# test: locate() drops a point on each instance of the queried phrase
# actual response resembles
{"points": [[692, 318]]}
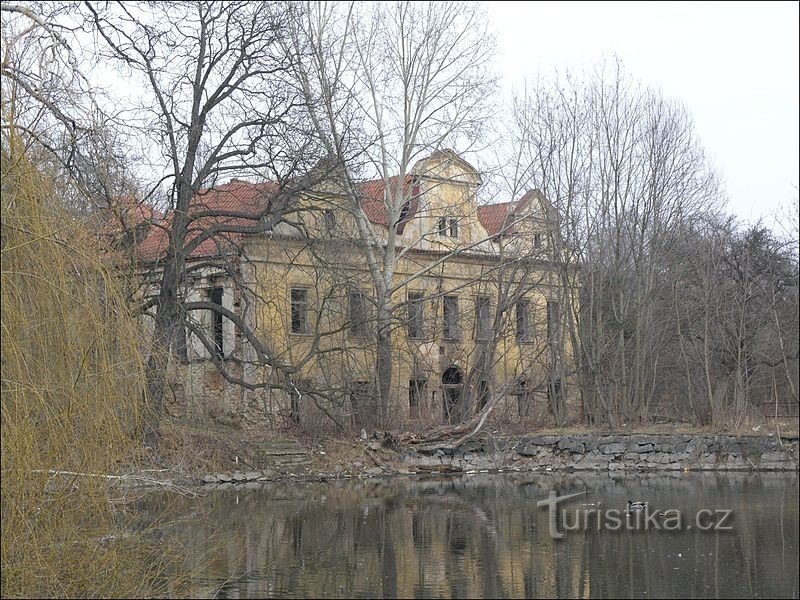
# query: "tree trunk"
{"points": [[167, 321], [383, 365]]}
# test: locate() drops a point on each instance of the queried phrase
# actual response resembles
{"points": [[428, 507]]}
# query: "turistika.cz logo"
{"points": [[636, 516]]}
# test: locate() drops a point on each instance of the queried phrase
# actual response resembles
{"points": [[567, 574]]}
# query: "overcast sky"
{"points": [[734, 65]]}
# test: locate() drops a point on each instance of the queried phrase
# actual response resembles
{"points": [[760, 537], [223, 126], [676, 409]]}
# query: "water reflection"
{"points": [[483, 536]]}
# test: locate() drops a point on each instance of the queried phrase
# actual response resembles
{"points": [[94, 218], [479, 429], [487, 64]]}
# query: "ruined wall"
{"points": [[594, 452]]}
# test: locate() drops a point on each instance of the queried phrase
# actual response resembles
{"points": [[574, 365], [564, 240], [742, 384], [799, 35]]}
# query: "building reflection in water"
{"points": [[483, 536]]}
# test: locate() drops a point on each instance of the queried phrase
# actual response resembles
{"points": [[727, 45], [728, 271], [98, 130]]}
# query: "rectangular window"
{"points": [[299, 298], [358, 313], [416, 392], [537, 240], [523, 321], [454, 228], [483, 318], [215, 297], [442, 226], [450, 317], [554, 323], [416, 315], [330, 220]]}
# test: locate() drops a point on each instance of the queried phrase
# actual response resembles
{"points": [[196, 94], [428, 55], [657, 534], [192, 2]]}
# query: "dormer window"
{"points": [[447, 227], [454, 228]]}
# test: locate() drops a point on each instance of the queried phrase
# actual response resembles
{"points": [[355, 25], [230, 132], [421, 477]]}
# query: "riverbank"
{"points": [[215, 458]]}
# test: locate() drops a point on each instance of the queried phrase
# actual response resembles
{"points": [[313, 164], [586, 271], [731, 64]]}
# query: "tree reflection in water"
{"points": [[483, 536]]}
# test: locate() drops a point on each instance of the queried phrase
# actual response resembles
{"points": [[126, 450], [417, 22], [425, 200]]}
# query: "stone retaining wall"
{"points": [[616, 452]]}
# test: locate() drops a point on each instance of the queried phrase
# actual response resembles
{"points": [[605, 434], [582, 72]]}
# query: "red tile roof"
{"points": [[238, 204], [493, 216], [242, 203], [372, 199]]}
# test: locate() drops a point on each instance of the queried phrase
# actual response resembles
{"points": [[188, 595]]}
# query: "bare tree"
{"points": [[387, 84], [624, 172], [217, 98]]}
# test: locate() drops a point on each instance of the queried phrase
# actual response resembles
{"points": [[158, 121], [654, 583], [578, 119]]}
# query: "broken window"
{"points": [[299, 297], [523, 321], [416, 315], [554, 324], [450, 317], [483, 318], [358, 313], [330, 220], [215, 297]]}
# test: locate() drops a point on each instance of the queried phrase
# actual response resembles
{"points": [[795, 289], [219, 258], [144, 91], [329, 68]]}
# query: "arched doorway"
{"points": [[453, 385]]}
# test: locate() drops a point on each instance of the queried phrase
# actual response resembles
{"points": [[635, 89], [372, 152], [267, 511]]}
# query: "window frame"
{"points": [[216, 295], [357, 329], [306, 328], [453, 229], [479, 334], [554, 323], [455, 333], [526, 334], [415, 315], [330, 220]]}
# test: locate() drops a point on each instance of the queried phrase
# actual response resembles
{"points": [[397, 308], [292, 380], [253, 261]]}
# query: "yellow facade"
{"points": [[477, 326]]}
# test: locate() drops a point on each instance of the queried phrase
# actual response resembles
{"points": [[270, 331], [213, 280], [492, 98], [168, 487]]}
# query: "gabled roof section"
{"points": [[501, 218], [446, 154], [493, 217]]}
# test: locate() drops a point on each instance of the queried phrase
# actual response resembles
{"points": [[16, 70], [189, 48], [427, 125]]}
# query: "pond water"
{"points": [[484, 536]]}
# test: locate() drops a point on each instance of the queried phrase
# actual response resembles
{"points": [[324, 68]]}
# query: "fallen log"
{"points": [[467, 430]]}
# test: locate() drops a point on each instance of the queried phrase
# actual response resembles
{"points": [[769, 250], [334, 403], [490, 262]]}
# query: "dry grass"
{"points": [[71, 387]]}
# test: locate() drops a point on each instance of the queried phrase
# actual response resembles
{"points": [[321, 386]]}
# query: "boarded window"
{"points": [[215, 296], [523, 321], [299, 310], [450, 317], [416, 315], [358, 313], [483, 318]]}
